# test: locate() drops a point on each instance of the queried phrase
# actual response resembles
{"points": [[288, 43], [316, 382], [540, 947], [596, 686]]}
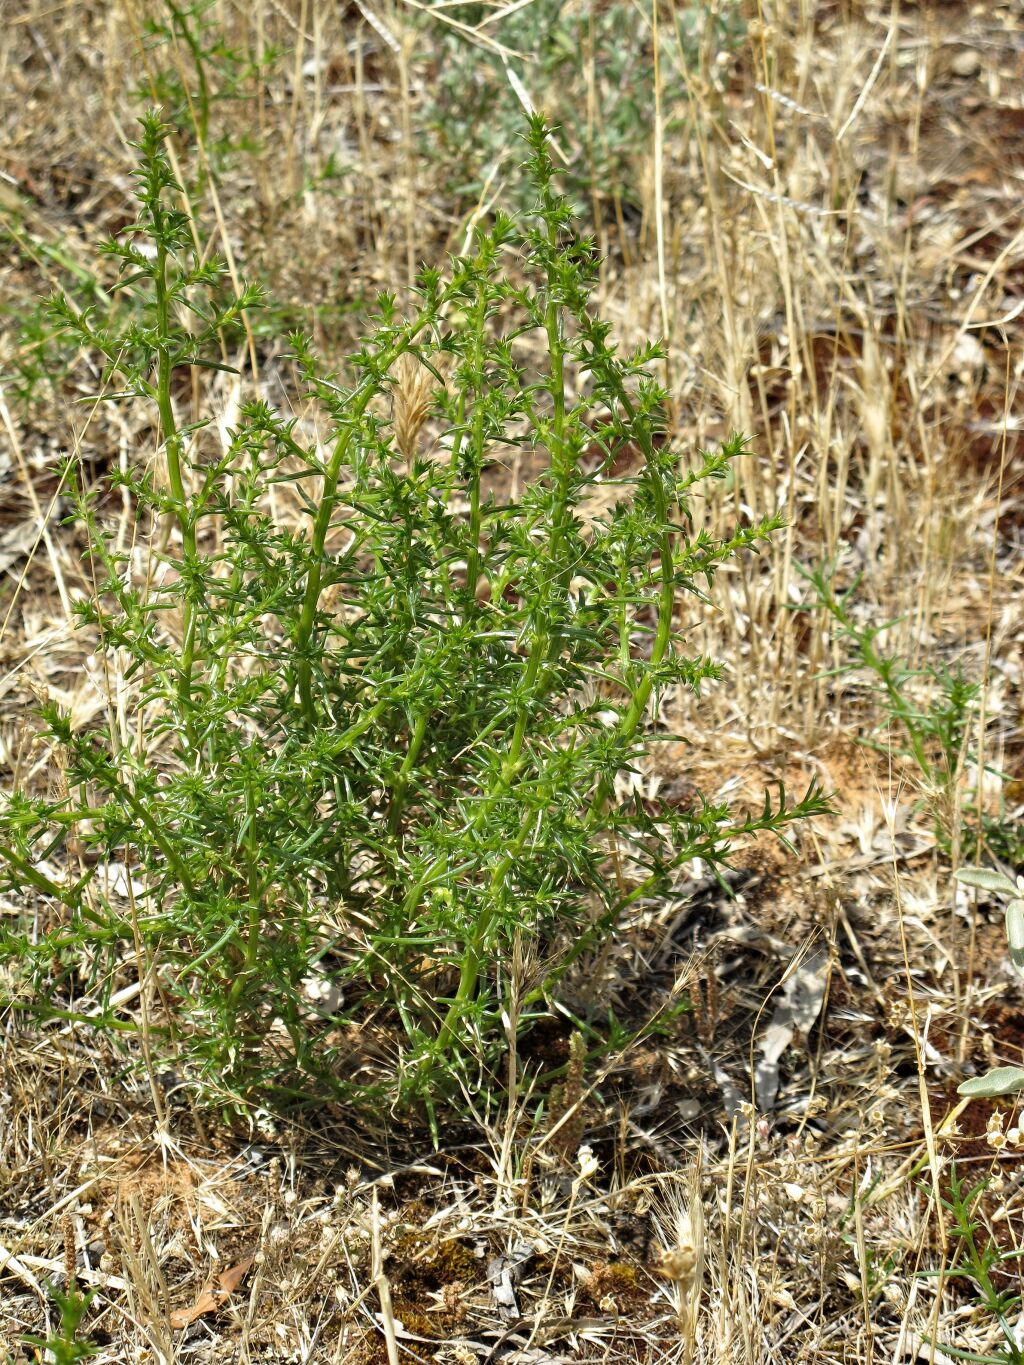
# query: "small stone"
{"points": [[967, 62]]}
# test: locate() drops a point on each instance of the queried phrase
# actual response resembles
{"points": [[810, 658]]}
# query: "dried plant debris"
{"points": [[213, 1296]]}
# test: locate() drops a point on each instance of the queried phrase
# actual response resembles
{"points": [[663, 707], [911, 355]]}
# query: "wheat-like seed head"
{"points": [[682, 1260], [413, 391]]}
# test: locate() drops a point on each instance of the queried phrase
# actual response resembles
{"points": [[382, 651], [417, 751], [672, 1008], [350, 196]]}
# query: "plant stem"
{"points": [[201, 121], [172, 447], [402, 783], [34, 877], [360, 400], [473, 564], [543, 642], [254, 918]]}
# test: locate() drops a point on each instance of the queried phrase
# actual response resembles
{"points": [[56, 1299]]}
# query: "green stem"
{"points": [[473, 564], [35, 878], [603, 925], [662, 642], [255, 917], [172, 446], [507, 772], [979, 1271], [360, 400], [346, 740], [882, 667], [402, 783], [112, 780], [202, 122], [164, 845], [107, 1021], [561, 463], [469, 970], [666, 598]]}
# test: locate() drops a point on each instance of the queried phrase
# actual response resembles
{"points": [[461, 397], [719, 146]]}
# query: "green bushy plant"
{"points": [[371, 753]]}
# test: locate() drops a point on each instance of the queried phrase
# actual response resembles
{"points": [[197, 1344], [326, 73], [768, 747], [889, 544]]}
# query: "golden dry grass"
{"points": [[832, 244]]}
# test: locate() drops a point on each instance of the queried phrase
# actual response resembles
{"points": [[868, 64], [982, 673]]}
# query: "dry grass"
{"points": [[834, 245]]}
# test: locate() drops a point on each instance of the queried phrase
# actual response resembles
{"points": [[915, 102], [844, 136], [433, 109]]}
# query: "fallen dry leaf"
{"points": [[214, 1295]]}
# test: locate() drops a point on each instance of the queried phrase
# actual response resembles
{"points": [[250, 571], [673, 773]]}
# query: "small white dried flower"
{"points": [[994, 1135], [588, 1162]]}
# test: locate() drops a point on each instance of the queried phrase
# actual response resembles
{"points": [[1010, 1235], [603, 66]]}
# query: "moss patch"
{"points": [[427, 1278], [616, 1280]]}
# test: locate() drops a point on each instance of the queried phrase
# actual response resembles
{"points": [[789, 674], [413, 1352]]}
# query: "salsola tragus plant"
{"points": [[371, 705]]}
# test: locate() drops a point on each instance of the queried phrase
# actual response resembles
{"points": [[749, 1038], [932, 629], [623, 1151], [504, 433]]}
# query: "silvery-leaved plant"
{"points": [[1003, 1080]]}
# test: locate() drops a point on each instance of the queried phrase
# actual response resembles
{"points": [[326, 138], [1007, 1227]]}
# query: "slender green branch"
{"points": [[359, 402], [65, 895], [402, 785], [173, 451]]}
